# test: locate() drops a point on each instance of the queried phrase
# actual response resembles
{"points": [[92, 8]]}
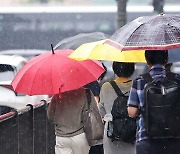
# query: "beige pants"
{"points": [[72, 145]]}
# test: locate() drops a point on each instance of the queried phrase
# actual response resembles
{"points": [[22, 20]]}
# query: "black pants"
{"points": [[158, 146], [97, 149]]}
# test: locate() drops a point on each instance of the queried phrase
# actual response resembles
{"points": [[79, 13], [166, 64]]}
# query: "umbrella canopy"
{"points": [[77, 40], [52, 73], [99, 50], [158, 32]]}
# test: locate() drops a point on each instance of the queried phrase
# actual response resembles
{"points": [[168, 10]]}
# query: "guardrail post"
{"points": [[25, 127], [40, 128], [51, 138]]}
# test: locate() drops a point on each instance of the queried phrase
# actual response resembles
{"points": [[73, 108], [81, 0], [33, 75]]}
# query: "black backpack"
{"points": [[122, 127], [162, 107]]}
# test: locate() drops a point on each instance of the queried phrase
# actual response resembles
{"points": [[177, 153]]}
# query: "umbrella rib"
{"points": [[134, 31], [90, 54], [76, 69], [28, 67], [59, 73], [53, 87], [88, 72], [44, 60]]}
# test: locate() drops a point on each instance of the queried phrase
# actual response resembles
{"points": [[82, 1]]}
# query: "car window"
{"points": [[6, 72]]}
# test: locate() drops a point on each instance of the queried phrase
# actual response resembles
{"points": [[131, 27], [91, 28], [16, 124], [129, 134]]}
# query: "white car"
{"points": [[26, 53], [9, 66]]}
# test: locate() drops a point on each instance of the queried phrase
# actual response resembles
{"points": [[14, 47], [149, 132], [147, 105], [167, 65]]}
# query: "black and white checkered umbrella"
{"points": [[158, 32]]}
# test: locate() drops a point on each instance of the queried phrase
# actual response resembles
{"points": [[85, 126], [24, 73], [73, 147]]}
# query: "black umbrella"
{"points": [[149, 32], [75, 41]]}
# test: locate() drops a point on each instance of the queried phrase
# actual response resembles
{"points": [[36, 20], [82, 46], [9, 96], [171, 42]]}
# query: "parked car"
{"points": [[9, 67]]}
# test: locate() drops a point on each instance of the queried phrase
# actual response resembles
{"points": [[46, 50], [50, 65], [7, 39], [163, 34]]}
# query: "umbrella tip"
{"points": [[52, 49], [162, 14]]}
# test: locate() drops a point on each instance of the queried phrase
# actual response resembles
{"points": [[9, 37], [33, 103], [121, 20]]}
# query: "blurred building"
{"points": [[9, 2], [80, 2]]}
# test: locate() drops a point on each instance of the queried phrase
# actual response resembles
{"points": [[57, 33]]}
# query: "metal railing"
{"points": [[27, 131]]}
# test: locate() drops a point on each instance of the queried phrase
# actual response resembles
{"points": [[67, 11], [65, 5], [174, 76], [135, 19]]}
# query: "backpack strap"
{"points": [[88, 95], [147, 77], [116, 88]]}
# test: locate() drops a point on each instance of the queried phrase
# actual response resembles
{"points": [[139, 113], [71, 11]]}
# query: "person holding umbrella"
{"points": [[146, 143], [65, 111], [53, 73]]}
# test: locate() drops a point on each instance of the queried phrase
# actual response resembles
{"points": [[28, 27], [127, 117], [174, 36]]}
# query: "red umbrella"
{"points": [[51, 73]]}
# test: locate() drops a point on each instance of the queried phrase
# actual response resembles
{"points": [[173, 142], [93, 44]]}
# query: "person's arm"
{"points": [[133, 112], [97, 99], [133, 101], [51, 109], [95, 89]]}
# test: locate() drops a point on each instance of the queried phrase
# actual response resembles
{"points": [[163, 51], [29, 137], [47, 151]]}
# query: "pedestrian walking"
{"points": [[65, 111], [95, 88], [148, 140], [123, 72]]}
